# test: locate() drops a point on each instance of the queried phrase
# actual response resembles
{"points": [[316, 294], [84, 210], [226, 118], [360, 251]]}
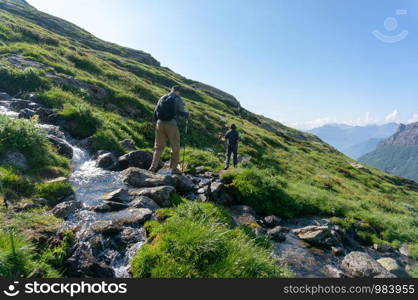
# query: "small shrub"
{"points": [[27, 80], [54, 192], [196, 242]]}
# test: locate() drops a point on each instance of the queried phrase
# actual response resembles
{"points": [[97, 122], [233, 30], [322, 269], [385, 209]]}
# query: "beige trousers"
{"points": [[166, 132]]}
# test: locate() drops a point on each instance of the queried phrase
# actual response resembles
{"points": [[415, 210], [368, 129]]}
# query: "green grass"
{"points": [[27, 80], [197, 242], [54, 192]]}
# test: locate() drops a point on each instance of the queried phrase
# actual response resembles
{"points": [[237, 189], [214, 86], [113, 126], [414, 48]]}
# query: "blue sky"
{"points": [[302, 62]]}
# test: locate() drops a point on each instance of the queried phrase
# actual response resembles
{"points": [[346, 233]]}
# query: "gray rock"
{"points": [[106, 228], [362, 265], [43, 114], [183, 184], [219, 194], [5, 96], [26, 113], [135, 217], [137, 159], [109, 206], [65, 209], [319, 235], [393, 266], [15, 159], [404, 250], [161, 195], [107, 161], [278, 234], [119, 195], [141, 178], [128, 145], [200, 169], [144, 202], [333, 272], [19, 104], [272, 221], [62, 146], [83, 264]]}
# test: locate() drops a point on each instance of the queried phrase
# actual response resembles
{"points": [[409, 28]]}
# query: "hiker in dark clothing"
{"points": [[232, 137]]}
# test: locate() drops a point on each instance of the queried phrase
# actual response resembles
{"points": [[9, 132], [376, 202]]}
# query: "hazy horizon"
{"points": [[316, 62]]}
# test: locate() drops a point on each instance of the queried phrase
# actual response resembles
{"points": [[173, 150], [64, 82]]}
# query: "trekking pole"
{"points": [[184, 145]]}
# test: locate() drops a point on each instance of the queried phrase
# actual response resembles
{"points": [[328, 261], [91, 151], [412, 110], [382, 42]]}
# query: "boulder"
{"points": [[15, 159], [278, 233], [144, 202], [141, 178], [272, 221], [161, 194], [19, 104], [135, 217], [82, 264], [26, 113], [319, 235], [65, 209], [62, 146], [137, 159], [43, 114], [128, 145], [183, 184], [130, 235], [109, 206], [360, 264], [106, 228], [107, 161], [219, 194], [242, 215], [119, 195], [393, 267], [404, 250]]}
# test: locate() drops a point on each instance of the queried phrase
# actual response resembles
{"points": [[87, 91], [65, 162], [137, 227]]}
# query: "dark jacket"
{"points": [[232, 136]]}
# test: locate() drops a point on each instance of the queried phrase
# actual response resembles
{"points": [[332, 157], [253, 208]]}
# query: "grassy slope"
{"points": [[309, 176]]}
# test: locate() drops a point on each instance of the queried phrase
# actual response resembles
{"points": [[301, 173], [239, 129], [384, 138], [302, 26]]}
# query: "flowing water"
{"points": [[90, 183]]}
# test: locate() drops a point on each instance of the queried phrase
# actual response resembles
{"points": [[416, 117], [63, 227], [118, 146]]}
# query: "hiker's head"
{"points": [[175, 90], [233, 127]]}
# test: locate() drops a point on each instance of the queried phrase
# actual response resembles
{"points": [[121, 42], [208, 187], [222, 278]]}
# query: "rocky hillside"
{"points": [[75, 136], [397, 154]]}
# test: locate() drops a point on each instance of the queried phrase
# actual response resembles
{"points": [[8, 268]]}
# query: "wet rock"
{"points": [[26, 113], [65, 209], [362, 265], [119, 195], [135, 217], [131, 235], [109, 206], [319, 235], [219, 194], [272, 221], [106, 228], [15, 159], [83, 264], [278, 233], [183, 184], [202, 198], [136, 159], [200, 170], [128, 145], [243, 215], [161, 195], [393, 267], [337, 251], [5, 96], [19, 104], [43, 114], [144, 202], [86, 143], [141, 178], [62, 146], [107, 161]]}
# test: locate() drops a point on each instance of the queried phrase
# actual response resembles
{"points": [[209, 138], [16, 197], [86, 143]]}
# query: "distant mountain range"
{"points": [[355, 141], [397, 154]]}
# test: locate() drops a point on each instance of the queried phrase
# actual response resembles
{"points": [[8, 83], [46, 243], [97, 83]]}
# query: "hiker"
{"points": [[168, 107], [232, 137]]}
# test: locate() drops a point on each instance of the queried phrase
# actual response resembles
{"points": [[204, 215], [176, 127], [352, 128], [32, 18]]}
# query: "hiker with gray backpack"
{"points": [[168, 107]]}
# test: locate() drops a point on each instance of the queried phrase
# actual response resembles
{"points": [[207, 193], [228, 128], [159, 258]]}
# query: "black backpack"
{"points": [[166, 109]]}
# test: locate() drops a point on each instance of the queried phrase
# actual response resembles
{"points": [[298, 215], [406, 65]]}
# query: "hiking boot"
{"points": [[226, 168]]}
